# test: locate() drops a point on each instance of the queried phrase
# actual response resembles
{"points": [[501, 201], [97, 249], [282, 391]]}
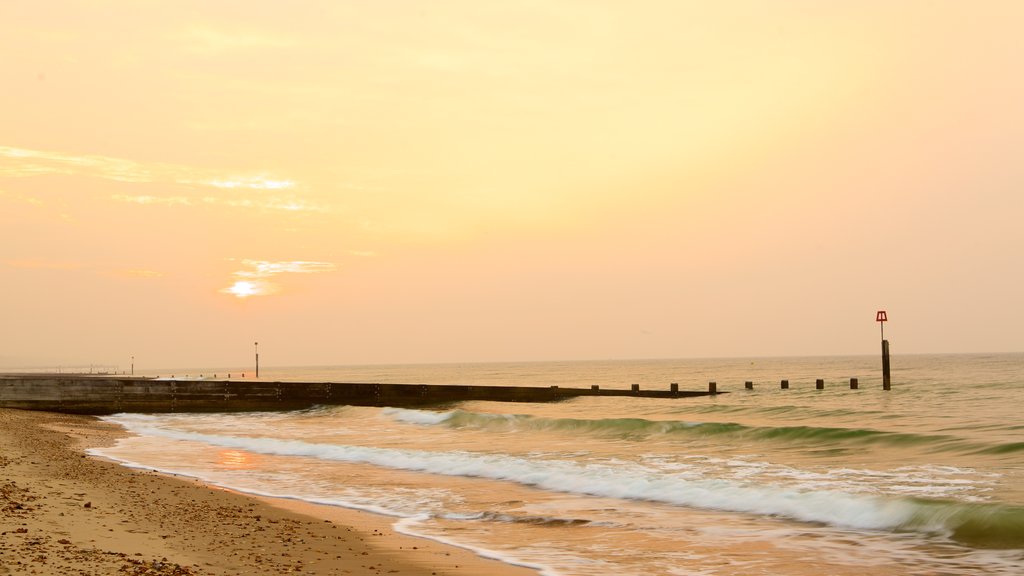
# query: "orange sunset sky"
{"points": [[399, 181]]}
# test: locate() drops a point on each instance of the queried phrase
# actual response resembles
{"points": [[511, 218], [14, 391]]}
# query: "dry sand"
{"points": [[62, 512]]}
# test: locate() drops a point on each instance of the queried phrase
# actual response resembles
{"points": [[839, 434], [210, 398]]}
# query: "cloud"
{"points": [[265, 269], [25, 163], [70, 266], [253, 281], [254, 182], [161, 200], [287, 204], [22, 162]]}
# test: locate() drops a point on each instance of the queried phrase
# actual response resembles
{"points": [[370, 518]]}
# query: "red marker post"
{"points": [[881, 317]]}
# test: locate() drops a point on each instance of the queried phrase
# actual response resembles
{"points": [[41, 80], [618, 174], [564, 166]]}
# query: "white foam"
{"points": [[422, 417], [623, 480], [406, 526], [403, 525]]}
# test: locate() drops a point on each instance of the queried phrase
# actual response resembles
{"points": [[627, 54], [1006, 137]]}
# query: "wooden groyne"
{"points": [[81, 394]]}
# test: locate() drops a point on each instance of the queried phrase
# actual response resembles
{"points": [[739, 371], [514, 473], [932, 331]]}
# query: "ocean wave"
{"points": [[640, 428], [427, 417], [979, 525], [1004, 448]]}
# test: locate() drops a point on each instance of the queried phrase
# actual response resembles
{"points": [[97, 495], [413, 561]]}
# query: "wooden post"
{"points": [[636, 387], [674, 387], [881, 317], [785, 384], [853, 383], [886, 378], [595, 387], [712, 388], [819, 384], [749, 385]]}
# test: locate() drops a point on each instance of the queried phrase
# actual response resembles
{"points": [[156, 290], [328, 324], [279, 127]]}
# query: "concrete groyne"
{"points": [[80, 394]]}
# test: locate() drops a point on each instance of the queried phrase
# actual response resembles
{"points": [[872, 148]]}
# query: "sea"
{"points": [[926, 478]]}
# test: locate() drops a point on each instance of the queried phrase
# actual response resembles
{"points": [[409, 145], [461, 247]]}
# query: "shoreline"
{"points": [[63, 512]]}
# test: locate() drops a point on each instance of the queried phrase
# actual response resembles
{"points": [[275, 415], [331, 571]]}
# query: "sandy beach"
{"points": [[62, 512]]}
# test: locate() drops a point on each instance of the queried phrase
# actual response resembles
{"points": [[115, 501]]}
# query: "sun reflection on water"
{"points": [[236, 460]]}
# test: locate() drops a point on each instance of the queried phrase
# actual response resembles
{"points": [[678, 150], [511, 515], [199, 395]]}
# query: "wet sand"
{"points": [[62, 512]]}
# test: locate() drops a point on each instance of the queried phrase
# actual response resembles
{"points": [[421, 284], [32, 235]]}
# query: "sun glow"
{"points": [[244, 289]]}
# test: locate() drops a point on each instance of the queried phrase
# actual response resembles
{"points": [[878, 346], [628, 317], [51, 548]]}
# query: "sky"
{"points": [[352, 182]]}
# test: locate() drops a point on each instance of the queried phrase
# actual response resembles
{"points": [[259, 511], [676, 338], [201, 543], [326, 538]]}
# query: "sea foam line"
{"points": [[406, 526], [404, 523], [829, 507]]}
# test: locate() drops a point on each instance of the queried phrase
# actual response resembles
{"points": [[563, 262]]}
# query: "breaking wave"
{"points": [[979, 525], [639, 428]]}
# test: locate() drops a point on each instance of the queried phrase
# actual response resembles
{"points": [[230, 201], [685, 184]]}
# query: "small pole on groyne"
{"points": [[886, 377], [257, 346], [635, 387], [133, 365], [785, 384], [853, 383], [819, 384], [673, 387], [749, 385], [712, 388], [881, 317]]}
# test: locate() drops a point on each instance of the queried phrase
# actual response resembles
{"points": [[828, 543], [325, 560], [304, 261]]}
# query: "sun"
{"points": [[243, 289]]}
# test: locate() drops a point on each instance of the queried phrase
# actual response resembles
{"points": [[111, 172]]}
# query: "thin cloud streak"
{"points": [[254, 281], [265, 269], [69, 266], [256, 183], [282, 204], [25, 163], [159, 200], [39, 162]]}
